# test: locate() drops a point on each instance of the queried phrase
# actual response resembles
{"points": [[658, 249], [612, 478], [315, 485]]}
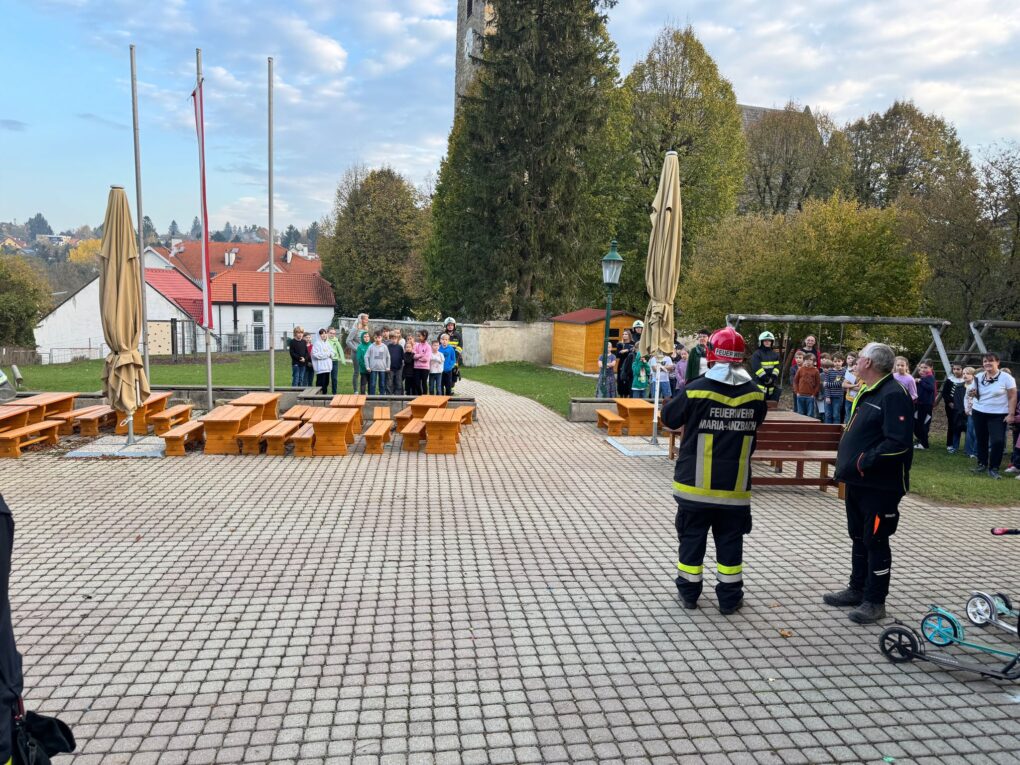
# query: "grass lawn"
{"points": [[947, 478], [549, 387], [85, 376]]}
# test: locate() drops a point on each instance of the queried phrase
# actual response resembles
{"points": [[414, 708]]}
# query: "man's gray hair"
{"points": [[882, 357]]}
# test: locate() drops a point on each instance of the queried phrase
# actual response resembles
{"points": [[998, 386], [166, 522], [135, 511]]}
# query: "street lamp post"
{"points": [[612, 265]]}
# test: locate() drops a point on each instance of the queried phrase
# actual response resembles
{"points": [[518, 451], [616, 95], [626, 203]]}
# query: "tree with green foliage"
{"points": [[833, 257], [312, 236], [371, 248], [680, 101], [24, 296], [37, 225], [150, 235], [291, 236], [174, 232], [518, 213], [196, 229], [793, 155], [903, 152], [217, 236]]}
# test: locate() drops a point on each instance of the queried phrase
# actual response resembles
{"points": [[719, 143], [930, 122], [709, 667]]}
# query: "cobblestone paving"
{"points": [[513, 603]]}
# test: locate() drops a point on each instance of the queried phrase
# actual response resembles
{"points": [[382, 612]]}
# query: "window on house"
{"points": [[470, 5], [256, 316]]}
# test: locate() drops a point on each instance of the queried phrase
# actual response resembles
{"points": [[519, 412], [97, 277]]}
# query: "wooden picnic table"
{"points": [[355, 402], [300, 412], [421, 405], [156, 402], [266, 405], [46, 404], [637, 415], [222, 425], [334, 429], [14, 417], [442, 428], [774, 415]]}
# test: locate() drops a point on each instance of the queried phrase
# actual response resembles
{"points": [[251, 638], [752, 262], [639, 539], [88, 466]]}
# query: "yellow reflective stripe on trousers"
{"points": [[743, 464], [728, 400], [690, 573], [720, 568]]}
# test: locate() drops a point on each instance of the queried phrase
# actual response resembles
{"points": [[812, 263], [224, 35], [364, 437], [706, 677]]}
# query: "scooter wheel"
{"points": [[980, 609], [939, 630], [898, 644], [1005, 600]]}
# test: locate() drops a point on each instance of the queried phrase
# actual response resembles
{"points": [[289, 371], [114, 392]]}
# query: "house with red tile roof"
{"points": [[186, 257]]}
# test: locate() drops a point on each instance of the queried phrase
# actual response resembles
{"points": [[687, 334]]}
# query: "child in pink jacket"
{"points": [[422, 357]]}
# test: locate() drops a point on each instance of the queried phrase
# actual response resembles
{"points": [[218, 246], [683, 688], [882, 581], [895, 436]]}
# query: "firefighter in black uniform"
{"points": [[720, 413], [457, 341], [873, 460], [765, 366], [11, 680]]}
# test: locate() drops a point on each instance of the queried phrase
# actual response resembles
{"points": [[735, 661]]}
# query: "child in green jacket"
{"points": [[642, 372], [359, 359]]}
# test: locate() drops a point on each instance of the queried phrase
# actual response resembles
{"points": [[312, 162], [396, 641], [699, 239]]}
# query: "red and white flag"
{"points": [[207, 314]]}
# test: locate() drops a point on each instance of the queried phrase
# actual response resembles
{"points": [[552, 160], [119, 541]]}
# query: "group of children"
{"points": [[389, 365], [632, 374]]}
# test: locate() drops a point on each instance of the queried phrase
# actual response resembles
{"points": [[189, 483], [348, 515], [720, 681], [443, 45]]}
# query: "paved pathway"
{"points": [[513, 603]]}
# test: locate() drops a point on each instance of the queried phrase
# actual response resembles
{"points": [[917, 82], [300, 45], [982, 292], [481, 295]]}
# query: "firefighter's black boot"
{"points": [[867, 613], [727, 610], [844, 598]]}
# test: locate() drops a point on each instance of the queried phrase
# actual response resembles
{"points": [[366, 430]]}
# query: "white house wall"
{"points": [[75, 329], [286, 318]]}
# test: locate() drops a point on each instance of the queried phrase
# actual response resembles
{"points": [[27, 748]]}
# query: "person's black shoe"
{"points": [[979, 468], [690, 605], [867, 613], [994, 474], [844, 598], [727, 610]]}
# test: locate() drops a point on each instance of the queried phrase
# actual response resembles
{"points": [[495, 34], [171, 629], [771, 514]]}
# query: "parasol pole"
{"points": [[272, 246]]}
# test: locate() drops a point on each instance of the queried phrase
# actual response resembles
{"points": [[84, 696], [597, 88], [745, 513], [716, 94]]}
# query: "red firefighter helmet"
{"points": [[726, 346]]}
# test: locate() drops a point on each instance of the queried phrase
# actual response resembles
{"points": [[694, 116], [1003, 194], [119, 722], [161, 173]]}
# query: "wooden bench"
{"points": [[611, 421], [403, 417], [378, 433], [169, 418], [177, 438], [801, 445], [90, 422], [413, 433], [277, 436], [381, 413], [12, 441], [467, 414], [252, 438], [69, 419], [303, 439]]}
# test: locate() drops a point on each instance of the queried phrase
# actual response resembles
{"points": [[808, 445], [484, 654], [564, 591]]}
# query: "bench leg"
{"points": [[823, 471], [174, 447]]}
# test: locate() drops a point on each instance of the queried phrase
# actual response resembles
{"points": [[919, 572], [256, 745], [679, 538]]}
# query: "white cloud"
{"points": [[321, 51]]}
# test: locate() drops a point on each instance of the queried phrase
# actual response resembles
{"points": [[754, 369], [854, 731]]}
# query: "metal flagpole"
{"points": [[205, 236], [272, 246], [141, 218]]}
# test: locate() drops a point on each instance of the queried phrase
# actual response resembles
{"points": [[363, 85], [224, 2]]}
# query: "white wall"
{"points": [[75, 328], [286, 317]]}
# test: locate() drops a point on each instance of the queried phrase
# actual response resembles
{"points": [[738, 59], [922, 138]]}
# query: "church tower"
{"points": [[475, 19]]}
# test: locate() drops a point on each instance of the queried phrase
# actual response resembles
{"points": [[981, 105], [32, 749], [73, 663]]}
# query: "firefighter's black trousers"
{"points": [[728, 526], [871, 518]]}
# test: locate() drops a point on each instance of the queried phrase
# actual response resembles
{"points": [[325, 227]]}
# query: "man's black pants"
{"points": [[922, 423], [871, 518], [728, 526]]}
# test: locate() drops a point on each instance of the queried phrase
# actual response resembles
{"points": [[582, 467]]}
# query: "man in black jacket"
{"points": [[873, 460], [11, 680]]}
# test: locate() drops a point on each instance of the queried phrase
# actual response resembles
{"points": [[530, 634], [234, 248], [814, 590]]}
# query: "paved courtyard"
{"points": [[512, 603]]}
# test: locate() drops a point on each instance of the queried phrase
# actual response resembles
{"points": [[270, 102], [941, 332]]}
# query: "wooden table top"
{"points": [[633, 403], [228, 414], [433, 402], [349, 401], [11, 412], [774, 415], [255, 399], [42, 399], [442, 415], [299, 412], [329, 414]]}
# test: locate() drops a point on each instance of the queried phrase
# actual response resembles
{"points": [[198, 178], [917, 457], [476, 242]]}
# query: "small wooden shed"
{"points": [[577, 336]]}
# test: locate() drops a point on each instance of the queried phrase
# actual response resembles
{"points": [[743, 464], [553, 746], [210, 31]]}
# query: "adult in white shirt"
{"points": [[993, 394]]}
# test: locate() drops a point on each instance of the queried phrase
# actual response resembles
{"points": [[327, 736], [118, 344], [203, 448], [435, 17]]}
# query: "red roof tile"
{"points": [[588, 316], [291, 289], [177, 289], [250, 258]]}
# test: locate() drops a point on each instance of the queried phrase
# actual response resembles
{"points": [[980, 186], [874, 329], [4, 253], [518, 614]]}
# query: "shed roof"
{"points": [[588, 316]]}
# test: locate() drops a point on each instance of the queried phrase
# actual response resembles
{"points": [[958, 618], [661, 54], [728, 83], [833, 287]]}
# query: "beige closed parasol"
{"points": [[120, 306], [662, 270]]}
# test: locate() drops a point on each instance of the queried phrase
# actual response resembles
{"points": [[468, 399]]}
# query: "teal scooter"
{"points": [[899, 643]]}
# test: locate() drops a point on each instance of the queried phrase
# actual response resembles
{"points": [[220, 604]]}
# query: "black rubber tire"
{"points": [[898, 644], [1005, 600]]}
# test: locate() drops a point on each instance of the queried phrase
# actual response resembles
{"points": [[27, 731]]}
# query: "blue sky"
{"points": [[372, 82]]}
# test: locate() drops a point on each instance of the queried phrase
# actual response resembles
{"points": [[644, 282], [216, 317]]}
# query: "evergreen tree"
{"points": [[312, 236], [228, 232], [290, 237], [196, 229], [518, 214], [174, 232], [36, 225], [149, 233]]}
